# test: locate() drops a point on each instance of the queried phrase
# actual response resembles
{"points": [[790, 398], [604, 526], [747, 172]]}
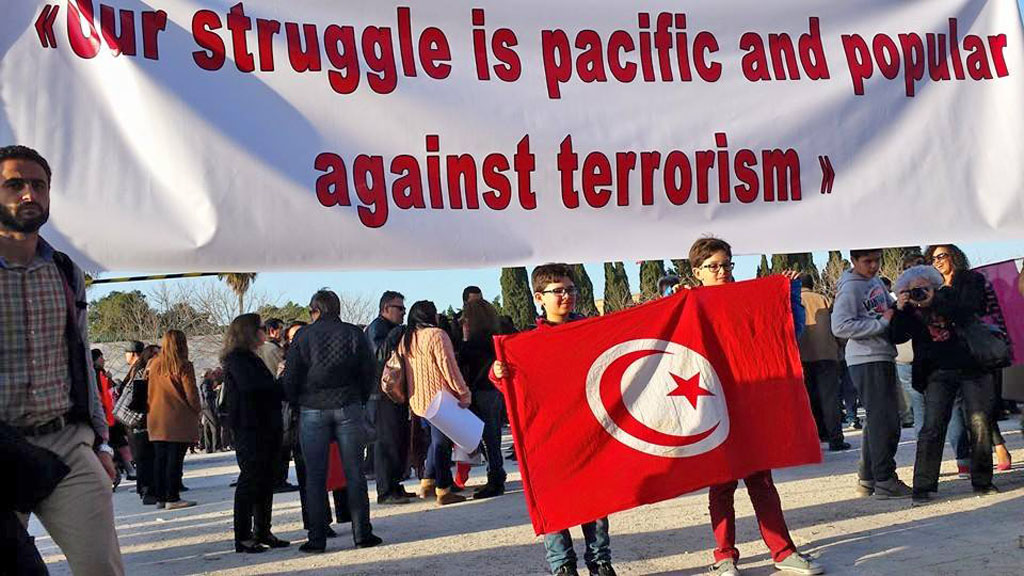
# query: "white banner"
{"points": [[208, 135]]}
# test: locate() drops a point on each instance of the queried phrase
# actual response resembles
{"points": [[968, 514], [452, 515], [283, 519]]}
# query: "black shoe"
{"points": [[330, 533], [602, 569], [392, 499], [272, 541], [838, 446], [921, 497], [566, 570], [989, 490], [489, 491], [311, 548], [402, 492], [249, 547], [285, 488], [857, 424], [369, 542], [233, 483], [148, 500], [183, 488]]}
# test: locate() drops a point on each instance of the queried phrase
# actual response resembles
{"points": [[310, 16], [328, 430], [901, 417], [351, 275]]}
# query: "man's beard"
{"points": [[14, 222]]}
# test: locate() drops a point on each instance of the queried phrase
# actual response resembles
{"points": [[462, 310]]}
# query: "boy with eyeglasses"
{"points": [[554, 289], [711, 259], [861, 315]]}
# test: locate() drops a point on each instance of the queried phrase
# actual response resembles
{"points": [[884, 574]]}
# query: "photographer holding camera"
{"points": [[930, 313]]}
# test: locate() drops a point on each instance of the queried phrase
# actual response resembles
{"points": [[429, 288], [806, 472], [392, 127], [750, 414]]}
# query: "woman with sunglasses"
{"points": [[973, 290]]}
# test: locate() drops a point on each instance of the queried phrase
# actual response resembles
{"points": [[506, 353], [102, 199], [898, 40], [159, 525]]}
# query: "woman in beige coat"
{"points": [[173, 418]]}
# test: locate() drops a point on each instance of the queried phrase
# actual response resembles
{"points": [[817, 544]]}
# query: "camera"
{"points": [[918, 294]]}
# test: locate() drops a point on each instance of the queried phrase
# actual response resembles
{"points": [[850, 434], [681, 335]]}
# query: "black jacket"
{"points": [[953, 305], [377, 333], [329, 365], [476, 356], [253, 395]]}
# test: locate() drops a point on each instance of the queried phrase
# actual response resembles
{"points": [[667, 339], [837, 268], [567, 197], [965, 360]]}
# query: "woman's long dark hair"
{"points": [[423, 314], [959, 259], [243, 335], [481, 319]]}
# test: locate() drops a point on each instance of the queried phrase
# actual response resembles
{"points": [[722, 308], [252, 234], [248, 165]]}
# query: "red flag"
{"points": [[656, 401]]}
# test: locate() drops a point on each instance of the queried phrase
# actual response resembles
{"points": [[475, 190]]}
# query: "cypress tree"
{"points": [[763, 269], [800, 262], [650, 272], [684, 270], [517, 297], [585, 300], [617, 295]]}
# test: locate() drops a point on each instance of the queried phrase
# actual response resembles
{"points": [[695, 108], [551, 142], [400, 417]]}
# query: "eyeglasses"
{"points": [[940, 256], [715, 267], [562, 292]]}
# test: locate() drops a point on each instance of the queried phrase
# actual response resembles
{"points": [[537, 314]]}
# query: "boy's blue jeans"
{"points": [[559, 550]]}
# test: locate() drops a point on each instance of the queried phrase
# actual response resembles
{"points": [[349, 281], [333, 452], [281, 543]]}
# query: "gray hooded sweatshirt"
{"points": [[857, 317]]}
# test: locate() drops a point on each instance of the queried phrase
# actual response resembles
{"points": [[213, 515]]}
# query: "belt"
{"points": [[55, 425]]}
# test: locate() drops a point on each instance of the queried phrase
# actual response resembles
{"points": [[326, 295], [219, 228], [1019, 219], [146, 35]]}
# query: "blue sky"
{"points": [[444, 287]]}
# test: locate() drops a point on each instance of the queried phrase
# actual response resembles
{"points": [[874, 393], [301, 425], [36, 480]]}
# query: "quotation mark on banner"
{"points": [[828, 175], [44, 25]]}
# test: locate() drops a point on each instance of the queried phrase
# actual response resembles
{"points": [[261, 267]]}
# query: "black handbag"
{"points": [[986, 344], [131, 406]]}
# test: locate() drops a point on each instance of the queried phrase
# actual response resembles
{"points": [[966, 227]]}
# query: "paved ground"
{"points": [[959, 535]]}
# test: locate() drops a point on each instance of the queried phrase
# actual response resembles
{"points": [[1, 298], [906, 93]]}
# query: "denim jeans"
{"points": [[879, 391], [317, 428], [978, 395], [956, 434], [438, 466], [488, 405], [559, 551]]}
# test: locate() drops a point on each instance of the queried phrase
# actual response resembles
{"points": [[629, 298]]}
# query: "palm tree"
{"points": [[239, 284]]}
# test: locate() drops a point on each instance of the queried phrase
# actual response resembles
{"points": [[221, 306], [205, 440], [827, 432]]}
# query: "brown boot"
{"points": [[427, 489], [445, 496]]}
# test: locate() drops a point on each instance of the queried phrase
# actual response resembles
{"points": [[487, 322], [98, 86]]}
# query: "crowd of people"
{"points": [[315, 394]]}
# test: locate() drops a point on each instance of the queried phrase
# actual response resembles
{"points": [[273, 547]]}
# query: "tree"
{"points": [[123, 316], [585, 304], [650, 272], [684, 270], [517, 297], [497, 305], [617, 295], [800, 262], [239, 284], [834, 268], [184, 316], [763, 269], [892, 260], [288, 312]]}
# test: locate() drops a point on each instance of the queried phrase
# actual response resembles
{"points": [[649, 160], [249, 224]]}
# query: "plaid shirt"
{"points": [[34, 380]]}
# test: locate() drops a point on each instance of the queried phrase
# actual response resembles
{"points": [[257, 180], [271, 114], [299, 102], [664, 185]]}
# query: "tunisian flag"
{"points": [[656, 401]]}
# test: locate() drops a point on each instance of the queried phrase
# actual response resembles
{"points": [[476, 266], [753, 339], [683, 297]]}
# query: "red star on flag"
{"points": [[689, 388]]}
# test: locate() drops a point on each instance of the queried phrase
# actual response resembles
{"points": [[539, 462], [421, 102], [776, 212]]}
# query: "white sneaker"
{"points": [[798, 563], [725, 567]]}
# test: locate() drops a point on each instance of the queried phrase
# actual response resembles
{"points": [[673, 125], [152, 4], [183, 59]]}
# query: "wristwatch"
{"points": [[105, 448]]}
